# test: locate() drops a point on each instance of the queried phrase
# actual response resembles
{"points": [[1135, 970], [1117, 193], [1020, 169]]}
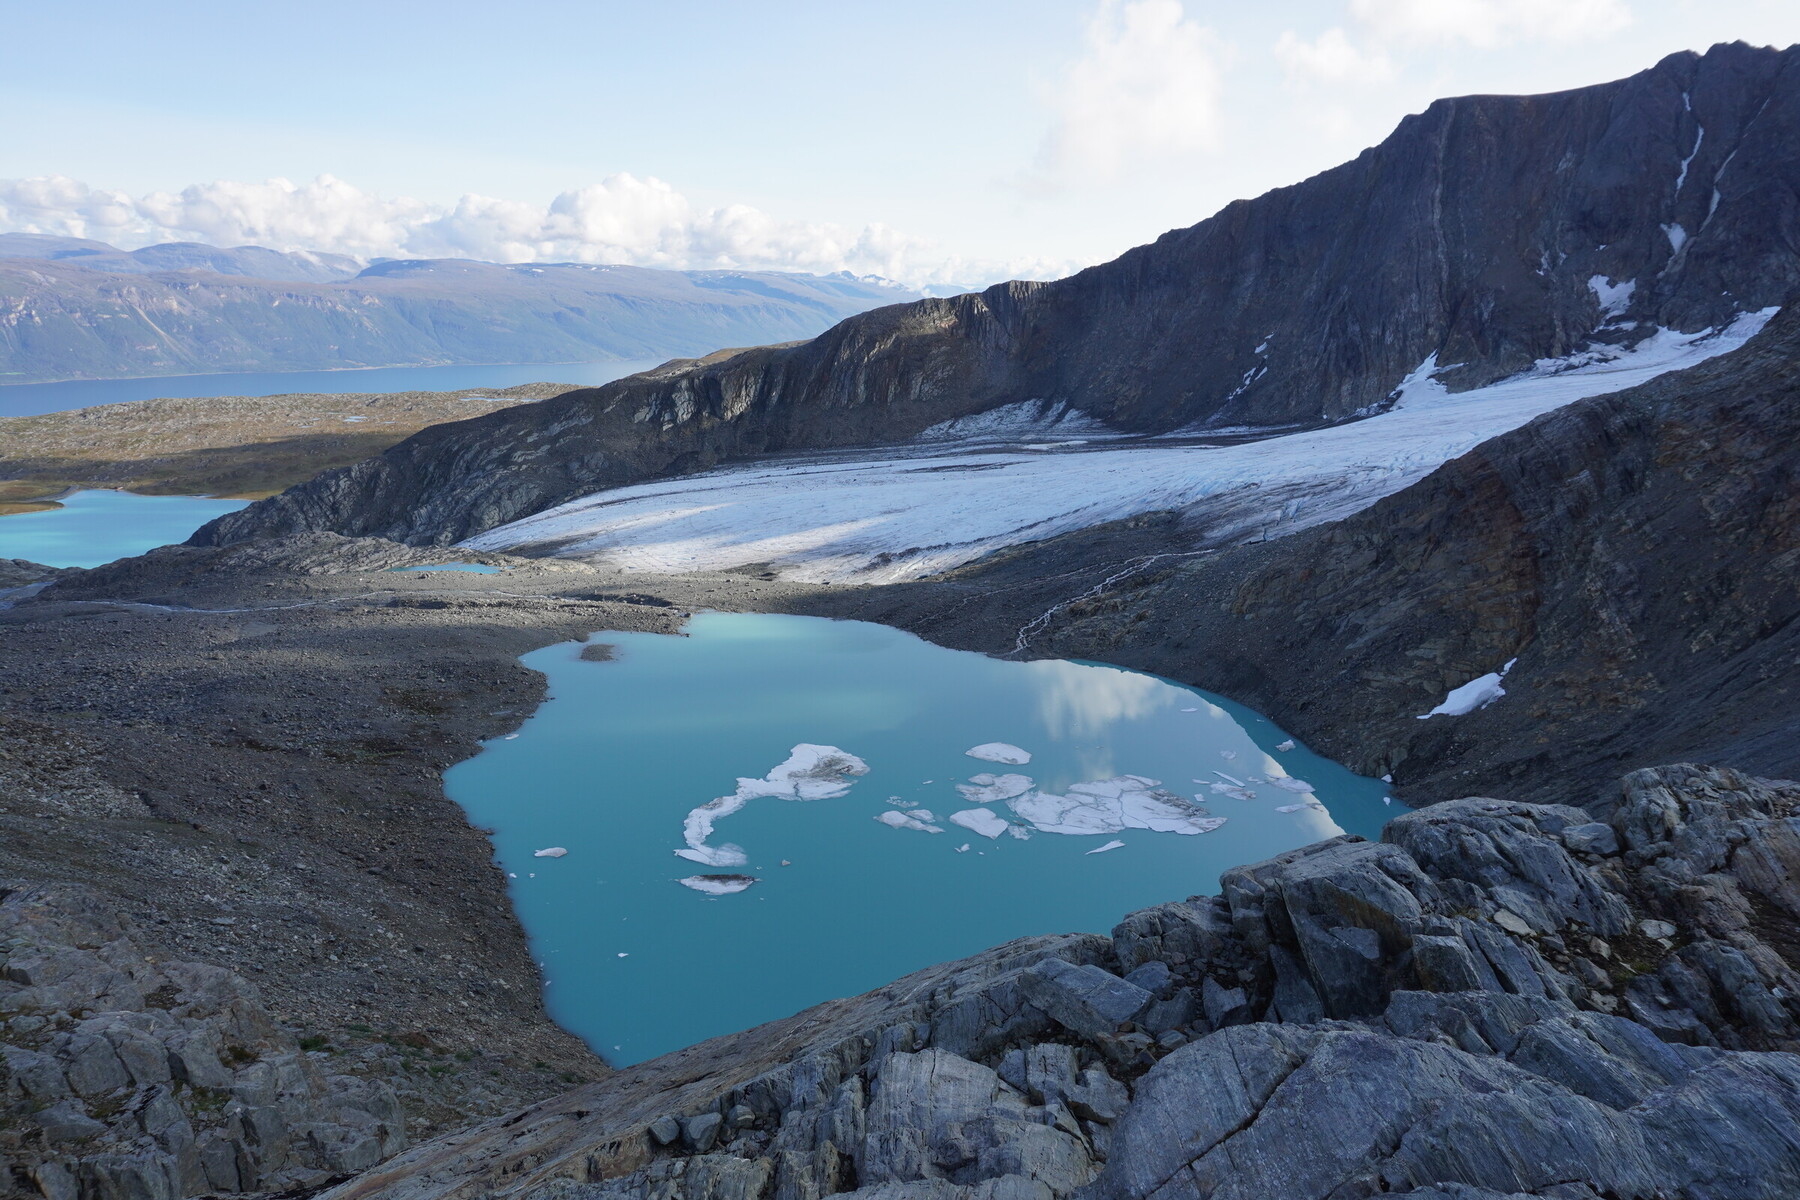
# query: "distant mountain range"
{"points": [[71, 308]]}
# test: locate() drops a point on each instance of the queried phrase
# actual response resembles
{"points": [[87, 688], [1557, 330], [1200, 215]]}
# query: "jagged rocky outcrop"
{"points": [[1498, 1000], [1489, 230], [123, 1075]]}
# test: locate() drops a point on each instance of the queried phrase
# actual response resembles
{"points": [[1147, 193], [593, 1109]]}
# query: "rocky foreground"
{"points": [[1498, 1000]]}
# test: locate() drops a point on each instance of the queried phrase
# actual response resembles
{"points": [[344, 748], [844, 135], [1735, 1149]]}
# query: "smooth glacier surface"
{"points": [[98, 526], [894, 513], [877, 845]]}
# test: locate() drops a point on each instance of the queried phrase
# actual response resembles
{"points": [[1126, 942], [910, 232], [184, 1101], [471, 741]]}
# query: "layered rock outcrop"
{"points": [[1498, 1000], [1489, 231], [125, 1075]]}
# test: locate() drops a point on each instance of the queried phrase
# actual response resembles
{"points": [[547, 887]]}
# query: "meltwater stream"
{"points": [[611, 766]]}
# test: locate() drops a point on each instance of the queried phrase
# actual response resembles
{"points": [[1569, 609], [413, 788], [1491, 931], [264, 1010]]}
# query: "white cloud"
{"points": [[1147, 87], [1491, 22], [622, 219], [1331, 58]]}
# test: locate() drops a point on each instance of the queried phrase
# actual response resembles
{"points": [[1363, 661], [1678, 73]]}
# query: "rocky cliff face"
{"points": [[1498, 1000], [1489, 231]]}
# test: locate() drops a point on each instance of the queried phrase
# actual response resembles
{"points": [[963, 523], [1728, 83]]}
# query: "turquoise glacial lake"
{"points": [[611, 765], [98, 526]]}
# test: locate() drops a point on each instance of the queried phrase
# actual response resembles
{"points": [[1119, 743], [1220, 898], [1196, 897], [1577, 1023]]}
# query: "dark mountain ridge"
{"points": [[1489, 231]]}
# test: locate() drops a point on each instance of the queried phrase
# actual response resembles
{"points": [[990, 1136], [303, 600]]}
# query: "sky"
{"points": [[936, 143]]}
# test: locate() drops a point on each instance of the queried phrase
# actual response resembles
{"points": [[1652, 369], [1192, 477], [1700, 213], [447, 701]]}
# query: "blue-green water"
{"points": [[471, 568], [26, 399], [95, 527], [613, 762]]}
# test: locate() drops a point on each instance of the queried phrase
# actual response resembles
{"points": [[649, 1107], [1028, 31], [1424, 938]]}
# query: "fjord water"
{"points": [[611, 764], [98, 526], [29, 399]]}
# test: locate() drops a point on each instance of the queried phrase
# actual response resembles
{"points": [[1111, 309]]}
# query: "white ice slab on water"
{"points": [[900, 512], [552, 852], [1103, 849], [985, 788], [1292, 785], [999, 752], [1111, 805], [717, 885], [980, 820], [1479, 692], [919, 819], [810, 772]]}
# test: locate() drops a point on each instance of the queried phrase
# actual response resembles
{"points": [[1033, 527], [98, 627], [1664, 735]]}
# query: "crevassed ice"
{"points": [[894, 513], [810, 772], [1110, 805], [919, 818], [985, 788]]}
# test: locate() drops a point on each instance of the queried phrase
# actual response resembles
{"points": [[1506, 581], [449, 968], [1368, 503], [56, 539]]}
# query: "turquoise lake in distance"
{"points": [[27, 399], [612, 763], [98, 526]]}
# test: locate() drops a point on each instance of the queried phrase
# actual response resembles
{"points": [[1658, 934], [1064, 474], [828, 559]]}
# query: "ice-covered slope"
{"points": [[886, 515]]}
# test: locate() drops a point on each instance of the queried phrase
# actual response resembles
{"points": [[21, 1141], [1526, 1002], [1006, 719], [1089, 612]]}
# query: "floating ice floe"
{"points": [[1000, 752], [810, 772], [1236, 793], [980, 820], [919, 819], [1183, 710], [1105, 848], [716, 885], [1477, 693], [1232, 779], [1110, 805], [552, 852], [1284, 747], [1291, 785], [1309, 804], [1021, 832], [963, 849], [985, 788], [1228, 755]]}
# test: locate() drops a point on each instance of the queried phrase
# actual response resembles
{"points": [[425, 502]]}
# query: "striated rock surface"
{"points": [[1489, 231], [1493, 1002]]}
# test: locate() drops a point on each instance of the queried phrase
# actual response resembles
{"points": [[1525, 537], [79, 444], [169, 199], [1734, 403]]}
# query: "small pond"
{"points": [[645, 951], [98, 526]]}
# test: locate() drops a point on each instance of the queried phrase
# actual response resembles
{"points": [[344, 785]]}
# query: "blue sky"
{"points": [[956, 142]]}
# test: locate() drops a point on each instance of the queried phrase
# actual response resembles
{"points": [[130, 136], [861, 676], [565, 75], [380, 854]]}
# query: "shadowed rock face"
{"points": [[1498, 1000], [1473, 233], [1634, 553]]}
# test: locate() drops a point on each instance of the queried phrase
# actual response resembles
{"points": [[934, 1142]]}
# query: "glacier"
{"points": [[893, 513]]}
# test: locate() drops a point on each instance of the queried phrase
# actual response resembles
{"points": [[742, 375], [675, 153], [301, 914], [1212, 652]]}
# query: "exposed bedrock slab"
{"points": [[1468, 1009]]}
